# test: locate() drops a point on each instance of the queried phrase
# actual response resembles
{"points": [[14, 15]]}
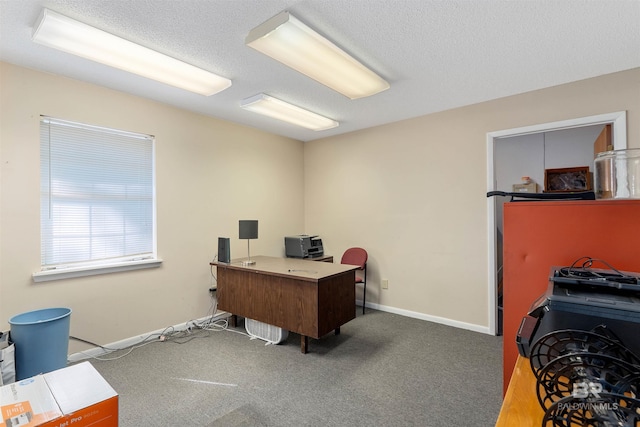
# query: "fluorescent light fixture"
{"points": [[286, 39], [277, 109], [63, 33]]}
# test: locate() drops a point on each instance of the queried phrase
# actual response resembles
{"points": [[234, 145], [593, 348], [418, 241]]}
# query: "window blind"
{"points": [[97, 195]]}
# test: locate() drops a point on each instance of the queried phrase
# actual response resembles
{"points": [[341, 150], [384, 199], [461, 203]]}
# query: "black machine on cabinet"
{"points": [[582, 338], [579, 298]]}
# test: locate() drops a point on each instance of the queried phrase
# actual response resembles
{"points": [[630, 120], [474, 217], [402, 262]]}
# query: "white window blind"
{"points": [[97, 195]]}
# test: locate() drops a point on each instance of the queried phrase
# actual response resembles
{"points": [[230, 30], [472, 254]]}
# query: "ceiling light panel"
{"points": [[278, 109], [71, 36], [288, 40]]}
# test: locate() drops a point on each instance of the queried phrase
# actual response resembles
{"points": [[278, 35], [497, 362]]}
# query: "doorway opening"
{"points": [[618, 124]]}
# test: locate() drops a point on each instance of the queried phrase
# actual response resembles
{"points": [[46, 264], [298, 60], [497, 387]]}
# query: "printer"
{"points": [[303, 246], [584, 299]]}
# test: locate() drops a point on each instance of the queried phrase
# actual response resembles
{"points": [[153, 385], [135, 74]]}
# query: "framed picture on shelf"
{"points": [[567, 179]]}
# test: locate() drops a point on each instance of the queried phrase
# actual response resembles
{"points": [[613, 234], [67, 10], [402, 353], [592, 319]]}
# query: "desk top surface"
{"points": [[520, 406], [289, 267]]}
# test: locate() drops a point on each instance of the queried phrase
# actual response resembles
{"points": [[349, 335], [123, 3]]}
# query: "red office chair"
{"points": [[358, 256]]}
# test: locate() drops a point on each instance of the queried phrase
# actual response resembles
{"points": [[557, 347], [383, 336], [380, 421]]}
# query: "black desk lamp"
{"points": [[248, 230]]}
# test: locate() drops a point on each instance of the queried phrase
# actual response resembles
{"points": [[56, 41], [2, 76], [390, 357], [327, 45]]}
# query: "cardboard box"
{"points": [[525, 188], [73, 396]]}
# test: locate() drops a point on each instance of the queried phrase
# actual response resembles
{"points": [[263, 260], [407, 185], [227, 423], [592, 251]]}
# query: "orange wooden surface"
{"points": [[520, 407], [540, 235]]}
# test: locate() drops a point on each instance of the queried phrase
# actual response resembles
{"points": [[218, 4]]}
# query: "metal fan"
{"points": [[585, 375], [571, 341]]}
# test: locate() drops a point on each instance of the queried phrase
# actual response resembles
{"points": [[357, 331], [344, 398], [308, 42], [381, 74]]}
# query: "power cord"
{"points": [[214, 280], [194, 329], [584, 265]]}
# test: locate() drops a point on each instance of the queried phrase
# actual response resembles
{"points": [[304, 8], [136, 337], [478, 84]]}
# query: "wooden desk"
{"points": [[520, 406], [323, 258], [306, 297]]}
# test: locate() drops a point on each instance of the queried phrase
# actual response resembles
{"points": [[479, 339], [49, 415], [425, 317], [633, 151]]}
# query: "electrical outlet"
{"points": [[385, 284]]}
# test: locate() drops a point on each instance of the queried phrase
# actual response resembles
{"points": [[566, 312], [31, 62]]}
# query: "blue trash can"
{"points": [[41, 338]]}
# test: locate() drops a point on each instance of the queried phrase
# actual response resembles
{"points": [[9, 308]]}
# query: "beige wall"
{"points": [[413, 193], [209, 174]]}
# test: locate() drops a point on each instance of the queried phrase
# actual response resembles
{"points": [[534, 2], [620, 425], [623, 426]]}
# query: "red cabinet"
{"points": [[539, 235]]}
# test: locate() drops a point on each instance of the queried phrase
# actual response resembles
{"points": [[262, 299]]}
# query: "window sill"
{"points": [[69, 273]]}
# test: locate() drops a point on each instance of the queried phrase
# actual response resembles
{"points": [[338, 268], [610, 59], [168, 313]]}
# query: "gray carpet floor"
{"points": [[382, 370]]}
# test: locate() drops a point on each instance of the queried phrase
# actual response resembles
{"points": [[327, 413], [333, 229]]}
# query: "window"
{"points": [[97, 201]]}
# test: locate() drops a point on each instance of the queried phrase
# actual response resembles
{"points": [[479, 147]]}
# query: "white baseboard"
{"points": [[434, 319], [128, 342]]}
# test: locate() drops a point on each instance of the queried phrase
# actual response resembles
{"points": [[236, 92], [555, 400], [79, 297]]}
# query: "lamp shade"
{"points": [[248, 229]]}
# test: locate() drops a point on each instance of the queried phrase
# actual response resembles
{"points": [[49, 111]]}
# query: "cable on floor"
{"points": [[194, 329]]}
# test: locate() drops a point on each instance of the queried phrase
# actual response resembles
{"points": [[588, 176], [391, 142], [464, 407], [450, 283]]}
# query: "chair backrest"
{"points": [[355, 256]]}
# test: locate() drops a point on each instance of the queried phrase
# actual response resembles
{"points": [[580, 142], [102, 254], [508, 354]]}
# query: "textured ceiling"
{"points": [[436, 55]]}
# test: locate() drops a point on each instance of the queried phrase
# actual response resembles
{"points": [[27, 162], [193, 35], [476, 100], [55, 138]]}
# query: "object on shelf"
{"points": [[567, 179], [530, 187], [617, 174]]}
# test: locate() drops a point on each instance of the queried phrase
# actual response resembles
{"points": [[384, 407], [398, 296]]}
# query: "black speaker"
{"points": [[224, 254]]}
